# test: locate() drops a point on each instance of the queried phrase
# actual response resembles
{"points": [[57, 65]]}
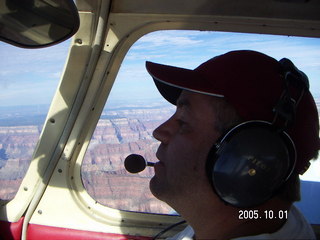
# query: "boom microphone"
{"points": [[135, 163]]}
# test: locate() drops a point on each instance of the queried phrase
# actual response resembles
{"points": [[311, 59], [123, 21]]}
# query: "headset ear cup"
{"points": [[250, 163]]}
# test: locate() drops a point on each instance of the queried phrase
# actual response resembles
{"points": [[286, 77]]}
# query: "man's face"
{"points": [[186, 139]]}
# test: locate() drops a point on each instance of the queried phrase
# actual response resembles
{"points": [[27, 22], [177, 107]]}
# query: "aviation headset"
{"points": [[252, 161]]}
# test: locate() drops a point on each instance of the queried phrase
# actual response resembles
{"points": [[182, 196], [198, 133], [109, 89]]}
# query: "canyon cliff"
{"points": [[119, 132]]}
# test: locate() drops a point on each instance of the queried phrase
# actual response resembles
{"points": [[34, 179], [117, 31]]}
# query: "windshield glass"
{"points": [[135, 108], [28, 80]]}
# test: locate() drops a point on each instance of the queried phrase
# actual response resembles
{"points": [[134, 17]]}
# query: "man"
{"points": [[234, 88]]}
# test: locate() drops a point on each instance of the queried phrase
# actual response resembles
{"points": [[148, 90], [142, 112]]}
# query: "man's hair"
{"points": [[226, 115], [226, 118]]}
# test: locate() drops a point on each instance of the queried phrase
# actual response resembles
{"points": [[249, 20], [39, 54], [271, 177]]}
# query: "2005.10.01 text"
{"points": [[266, 214]]}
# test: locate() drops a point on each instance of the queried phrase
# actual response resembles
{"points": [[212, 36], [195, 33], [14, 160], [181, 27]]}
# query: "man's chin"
{"points": [[157, 188]]}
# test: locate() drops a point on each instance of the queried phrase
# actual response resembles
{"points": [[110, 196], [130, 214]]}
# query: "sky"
{"points": [[190, 48], [30, 77]]}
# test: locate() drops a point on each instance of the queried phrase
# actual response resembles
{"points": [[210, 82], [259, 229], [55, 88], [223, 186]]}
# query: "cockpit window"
{"points": [[28, 79], [135, 108]]}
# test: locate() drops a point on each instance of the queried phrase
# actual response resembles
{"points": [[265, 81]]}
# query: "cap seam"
{"points": [[188, 89]]}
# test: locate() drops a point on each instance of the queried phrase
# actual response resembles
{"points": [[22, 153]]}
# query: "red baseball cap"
{"points": [[253, 83]]}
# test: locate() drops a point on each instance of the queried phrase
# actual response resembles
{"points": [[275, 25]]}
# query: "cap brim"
{"points": [[170, 81]]}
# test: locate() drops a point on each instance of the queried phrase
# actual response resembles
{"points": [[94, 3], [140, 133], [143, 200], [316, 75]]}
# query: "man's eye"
{"points": [[181, 123], [183, 126]]}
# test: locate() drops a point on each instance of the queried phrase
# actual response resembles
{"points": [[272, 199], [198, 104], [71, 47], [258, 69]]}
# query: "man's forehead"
{"points": [[196, 106]]}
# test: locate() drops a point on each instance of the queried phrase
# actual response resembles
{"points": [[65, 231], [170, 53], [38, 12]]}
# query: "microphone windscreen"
{"points": [[135, 163]]}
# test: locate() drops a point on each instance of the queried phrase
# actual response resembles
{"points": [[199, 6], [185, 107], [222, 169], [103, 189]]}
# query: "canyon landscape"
{"points": [[118, 134], [120, 131]]}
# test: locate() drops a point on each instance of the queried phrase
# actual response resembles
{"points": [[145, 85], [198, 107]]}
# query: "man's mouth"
{"points": [[158, 167]]}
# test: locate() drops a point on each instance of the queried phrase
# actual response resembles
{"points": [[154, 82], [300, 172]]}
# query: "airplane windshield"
{"points": [[133, 110]]}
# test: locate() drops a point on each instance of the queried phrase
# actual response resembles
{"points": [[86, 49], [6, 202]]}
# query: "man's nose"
{"points": [[163, 132]]}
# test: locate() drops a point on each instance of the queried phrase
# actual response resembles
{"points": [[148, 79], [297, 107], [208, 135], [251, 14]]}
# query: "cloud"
{"points": [[30, 74], [191, 48], [179, 48], [167, 38], [24, 61], [163, 45]]}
